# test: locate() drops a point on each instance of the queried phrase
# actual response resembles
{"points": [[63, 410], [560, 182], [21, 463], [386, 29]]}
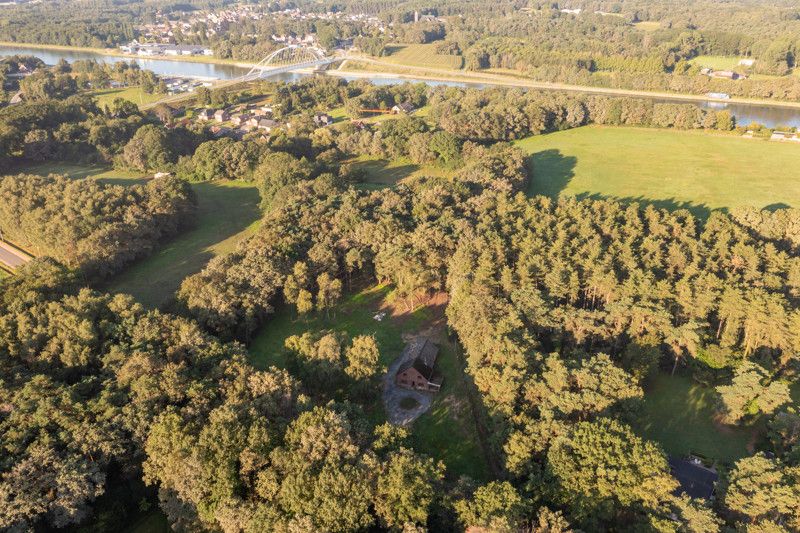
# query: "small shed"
{"points": [[418, 368]]}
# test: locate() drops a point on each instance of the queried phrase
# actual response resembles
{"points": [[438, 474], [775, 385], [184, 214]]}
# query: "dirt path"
{"points": [[12, 257]]}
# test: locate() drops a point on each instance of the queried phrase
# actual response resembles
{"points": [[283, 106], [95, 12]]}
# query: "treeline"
{"points": [[503, 114], [83, 23], [91, 226]]}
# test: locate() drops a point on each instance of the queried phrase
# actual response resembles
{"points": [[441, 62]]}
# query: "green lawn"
{"points": [[447, 431], [679, 414], [133, 94], [670, 168], [228, 213], [421, 55]]}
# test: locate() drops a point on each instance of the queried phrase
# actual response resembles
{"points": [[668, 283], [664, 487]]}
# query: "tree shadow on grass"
{"points": [[381, 173], [224, 213], [550, 171], [776, 207]]}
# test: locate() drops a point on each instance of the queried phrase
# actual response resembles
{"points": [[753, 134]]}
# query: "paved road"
{"points": [[11, 257], [394, 394]]}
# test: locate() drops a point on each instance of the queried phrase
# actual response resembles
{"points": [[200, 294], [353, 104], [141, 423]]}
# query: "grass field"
{"points": [[447, 431], [421, 55], [669, 168], [134, 94], [718, 62], [679, 413], [228, 213], [647, 25]]}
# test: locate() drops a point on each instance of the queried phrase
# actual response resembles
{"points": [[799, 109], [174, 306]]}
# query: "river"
{"points": [[768, 115]]}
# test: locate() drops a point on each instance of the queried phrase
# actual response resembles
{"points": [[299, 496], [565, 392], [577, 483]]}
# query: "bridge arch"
{"points": [[288, 58]]}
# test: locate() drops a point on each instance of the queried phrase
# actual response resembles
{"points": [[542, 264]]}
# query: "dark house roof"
{"points": [[695, 479], [421, 354]]}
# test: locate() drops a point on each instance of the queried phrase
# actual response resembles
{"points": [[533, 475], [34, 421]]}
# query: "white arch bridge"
{"points": [[292, 57]]}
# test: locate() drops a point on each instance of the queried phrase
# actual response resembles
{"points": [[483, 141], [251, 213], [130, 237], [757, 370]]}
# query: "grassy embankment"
{"points": [[446, 432], [670, 168]]}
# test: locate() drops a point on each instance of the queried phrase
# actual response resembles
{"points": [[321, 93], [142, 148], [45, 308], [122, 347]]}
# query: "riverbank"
{"points": [[114, 52]]}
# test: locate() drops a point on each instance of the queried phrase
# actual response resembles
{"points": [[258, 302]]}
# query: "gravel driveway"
{"points": [[394, 394]]}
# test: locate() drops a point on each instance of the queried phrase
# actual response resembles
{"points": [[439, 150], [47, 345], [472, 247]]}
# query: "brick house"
{"points": [[417, 371]]}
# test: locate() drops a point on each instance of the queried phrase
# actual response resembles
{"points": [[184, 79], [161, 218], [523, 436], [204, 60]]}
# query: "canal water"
{"points": [[768, 115]]}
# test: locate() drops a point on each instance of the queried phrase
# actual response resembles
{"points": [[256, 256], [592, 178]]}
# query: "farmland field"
{"points": [[421, 55], [672, 169]]}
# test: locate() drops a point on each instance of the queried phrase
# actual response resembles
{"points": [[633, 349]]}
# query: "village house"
{"points": [[268, 125], [205, 114], [404, 108], [417, 372], [240, 120], [323, 119], [221, 116]]}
